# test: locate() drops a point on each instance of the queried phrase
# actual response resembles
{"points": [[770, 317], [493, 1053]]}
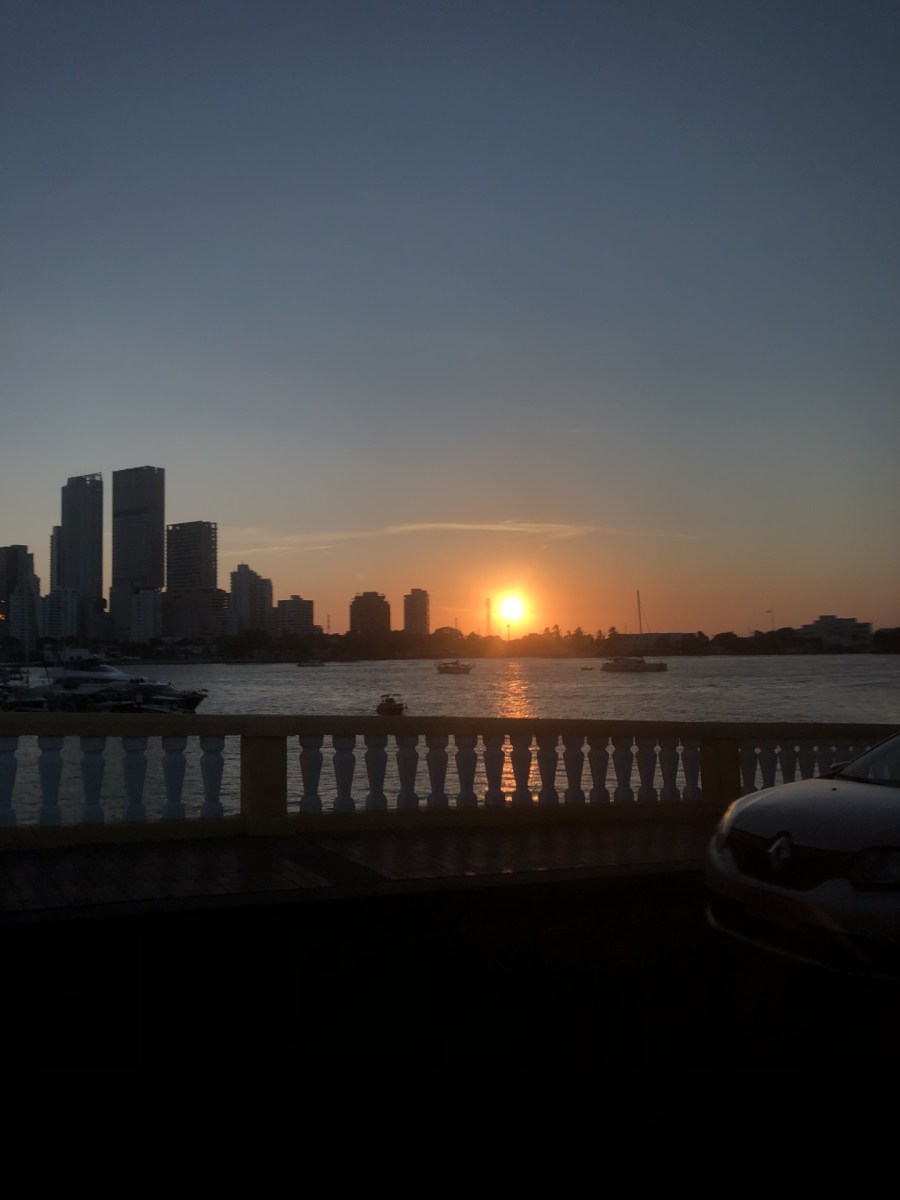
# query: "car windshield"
{"points": [[879, 765]]}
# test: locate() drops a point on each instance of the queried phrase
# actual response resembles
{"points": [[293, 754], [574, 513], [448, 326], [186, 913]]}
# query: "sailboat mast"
{"points": [[640, 622]]}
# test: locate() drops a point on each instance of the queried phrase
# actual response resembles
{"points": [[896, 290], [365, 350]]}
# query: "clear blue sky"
{"points": [[619, 278]]}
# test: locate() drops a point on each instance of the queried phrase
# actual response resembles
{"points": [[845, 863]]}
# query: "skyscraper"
{"points": [[194, 608], [250, 605], [191, 556], [79, 549], [139, 533], [20, 594], [370, 615], [415, 613], [55, 557]]}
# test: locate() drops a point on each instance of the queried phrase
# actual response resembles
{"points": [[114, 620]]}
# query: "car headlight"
{"points": [[877, 868]]}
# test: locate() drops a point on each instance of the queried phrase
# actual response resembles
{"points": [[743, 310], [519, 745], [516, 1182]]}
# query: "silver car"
{"points": [[811, 870]]}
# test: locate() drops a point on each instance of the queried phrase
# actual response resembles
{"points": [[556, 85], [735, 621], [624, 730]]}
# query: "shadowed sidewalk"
{"points": [[121, 880]]}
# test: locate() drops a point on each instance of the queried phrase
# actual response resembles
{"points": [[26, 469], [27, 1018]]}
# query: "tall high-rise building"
{"points": [[191, 556], [139, 539], [416, 614], [250, 604], [370, 615], [79, 549], [55, 557], [194, 608], [20, 594]]}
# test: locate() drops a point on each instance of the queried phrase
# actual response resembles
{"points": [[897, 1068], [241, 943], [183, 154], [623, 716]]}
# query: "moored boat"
{"points": [[454, 667], [636, 664], [391, 706]]}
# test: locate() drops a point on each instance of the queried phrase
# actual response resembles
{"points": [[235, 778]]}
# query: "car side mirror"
{"points": [[835, 769]]}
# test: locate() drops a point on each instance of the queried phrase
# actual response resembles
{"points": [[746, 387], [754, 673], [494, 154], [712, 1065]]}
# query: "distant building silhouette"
{"points": [[61, 613], [294, 617], [370, 615], [20, 592], [250, 604], [79, 550], [139, 548], [192, 556], [839, 633], [194, 609], [415, 613]]}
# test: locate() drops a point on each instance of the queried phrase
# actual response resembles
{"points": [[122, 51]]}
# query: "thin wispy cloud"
{"points": [[252, 540]]}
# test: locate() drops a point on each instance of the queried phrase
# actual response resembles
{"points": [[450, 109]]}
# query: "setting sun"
{"points": [[512, 608]]}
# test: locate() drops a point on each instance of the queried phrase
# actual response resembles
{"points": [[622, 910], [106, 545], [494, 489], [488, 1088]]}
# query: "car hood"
{"points": [[830, 814]]}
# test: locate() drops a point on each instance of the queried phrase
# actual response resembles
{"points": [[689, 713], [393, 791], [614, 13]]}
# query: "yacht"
{"points": [[90, 685], [391, 706]]}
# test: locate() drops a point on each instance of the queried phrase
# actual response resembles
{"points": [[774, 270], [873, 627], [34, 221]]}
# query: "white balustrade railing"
{"points": [[168, 774]]}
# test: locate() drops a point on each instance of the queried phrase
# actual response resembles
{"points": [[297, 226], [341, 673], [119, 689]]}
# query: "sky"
{"points": [[561, 299]]}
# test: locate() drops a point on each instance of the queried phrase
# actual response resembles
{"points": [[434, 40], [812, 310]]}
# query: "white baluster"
{"points": [[376, 766], [134, 765], [92, 768], [311, 771], [548, 761], [344, 766], [598, 758], [573, 760], [748, 762], [807, 759], [493, 769], [787, 757], [668, 765], [173, 774], [211, 767], [521, 765], [8, 764], [623, 761], [768, 762], [844, 752], [436, 759], [690, 764], [824, 756], [50, 770], [646, 762], [466, 762], [407, 765]]}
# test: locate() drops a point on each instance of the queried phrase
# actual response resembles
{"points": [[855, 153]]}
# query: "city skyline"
{"points": [[584, 301], [197, 543]]}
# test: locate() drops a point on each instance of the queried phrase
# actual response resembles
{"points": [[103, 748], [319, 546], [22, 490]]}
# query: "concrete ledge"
{"points": [[34, 837]]}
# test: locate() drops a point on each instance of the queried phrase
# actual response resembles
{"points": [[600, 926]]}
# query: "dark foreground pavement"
{"points": [[558, 978]]}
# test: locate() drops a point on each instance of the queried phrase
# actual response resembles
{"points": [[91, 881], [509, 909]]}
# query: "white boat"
{"points": [[634, 664]]}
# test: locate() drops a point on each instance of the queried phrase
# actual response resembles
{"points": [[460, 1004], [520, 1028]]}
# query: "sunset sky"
{"points": [[563, 299]]}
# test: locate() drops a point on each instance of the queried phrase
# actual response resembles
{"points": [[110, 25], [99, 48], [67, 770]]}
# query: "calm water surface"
{"points": [[796, 688]]}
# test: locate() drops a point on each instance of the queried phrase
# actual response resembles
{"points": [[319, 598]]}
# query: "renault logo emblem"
{"points": [[779, 853]]}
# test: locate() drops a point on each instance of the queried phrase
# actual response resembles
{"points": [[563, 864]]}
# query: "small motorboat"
{"points": [[391, 706], [454, 667]]}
